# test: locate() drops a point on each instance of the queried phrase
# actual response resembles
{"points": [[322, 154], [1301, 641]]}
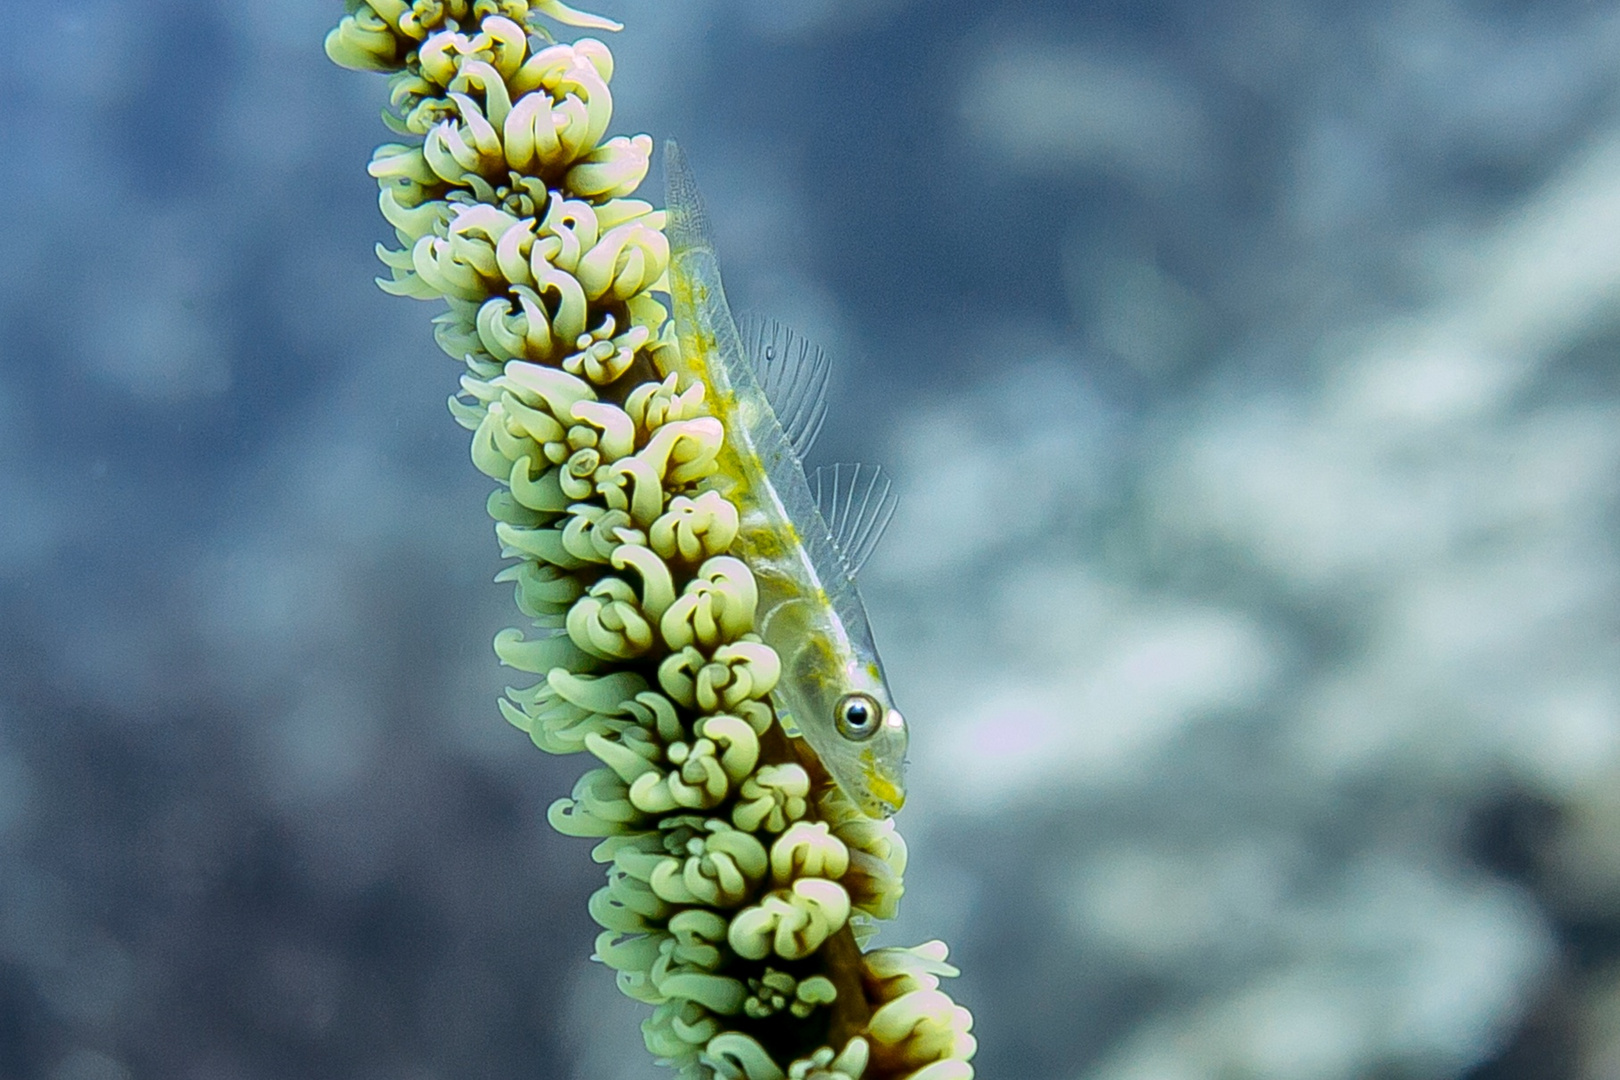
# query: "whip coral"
{"points": [[741, 881]]}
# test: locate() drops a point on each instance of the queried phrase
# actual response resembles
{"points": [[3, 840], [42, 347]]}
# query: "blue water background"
{"points": [[1248, 371]]}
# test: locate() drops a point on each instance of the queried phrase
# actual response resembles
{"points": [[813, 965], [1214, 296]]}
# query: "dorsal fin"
{"points": [[857, 502], [793, 372]]}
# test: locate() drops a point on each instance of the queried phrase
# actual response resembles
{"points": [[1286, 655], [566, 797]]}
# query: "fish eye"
{"points": [[858, 716]]}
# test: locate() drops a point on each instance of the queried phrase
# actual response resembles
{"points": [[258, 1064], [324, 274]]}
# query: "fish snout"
{"points": [[884, 796]]}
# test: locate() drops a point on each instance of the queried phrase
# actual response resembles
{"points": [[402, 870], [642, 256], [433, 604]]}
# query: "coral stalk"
{"points": [[742, 883]]}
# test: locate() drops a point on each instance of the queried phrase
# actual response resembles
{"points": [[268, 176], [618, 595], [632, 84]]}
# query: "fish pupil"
{"points": [[857, 716]]}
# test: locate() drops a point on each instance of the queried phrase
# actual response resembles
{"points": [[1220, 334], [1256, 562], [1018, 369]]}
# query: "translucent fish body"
{"points": [[810, 610]]}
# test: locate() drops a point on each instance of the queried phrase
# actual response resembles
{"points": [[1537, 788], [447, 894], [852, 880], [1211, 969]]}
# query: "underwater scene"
{"points": [[1245, 383]]}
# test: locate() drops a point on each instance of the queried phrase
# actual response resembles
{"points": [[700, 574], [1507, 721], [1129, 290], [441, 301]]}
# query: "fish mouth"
{"points": [[886, 796]]}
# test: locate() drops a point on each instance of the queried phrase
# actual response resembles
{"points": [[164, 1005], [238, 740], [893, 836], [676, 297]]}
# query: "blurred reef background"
{"points": [[1249, 371]]}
